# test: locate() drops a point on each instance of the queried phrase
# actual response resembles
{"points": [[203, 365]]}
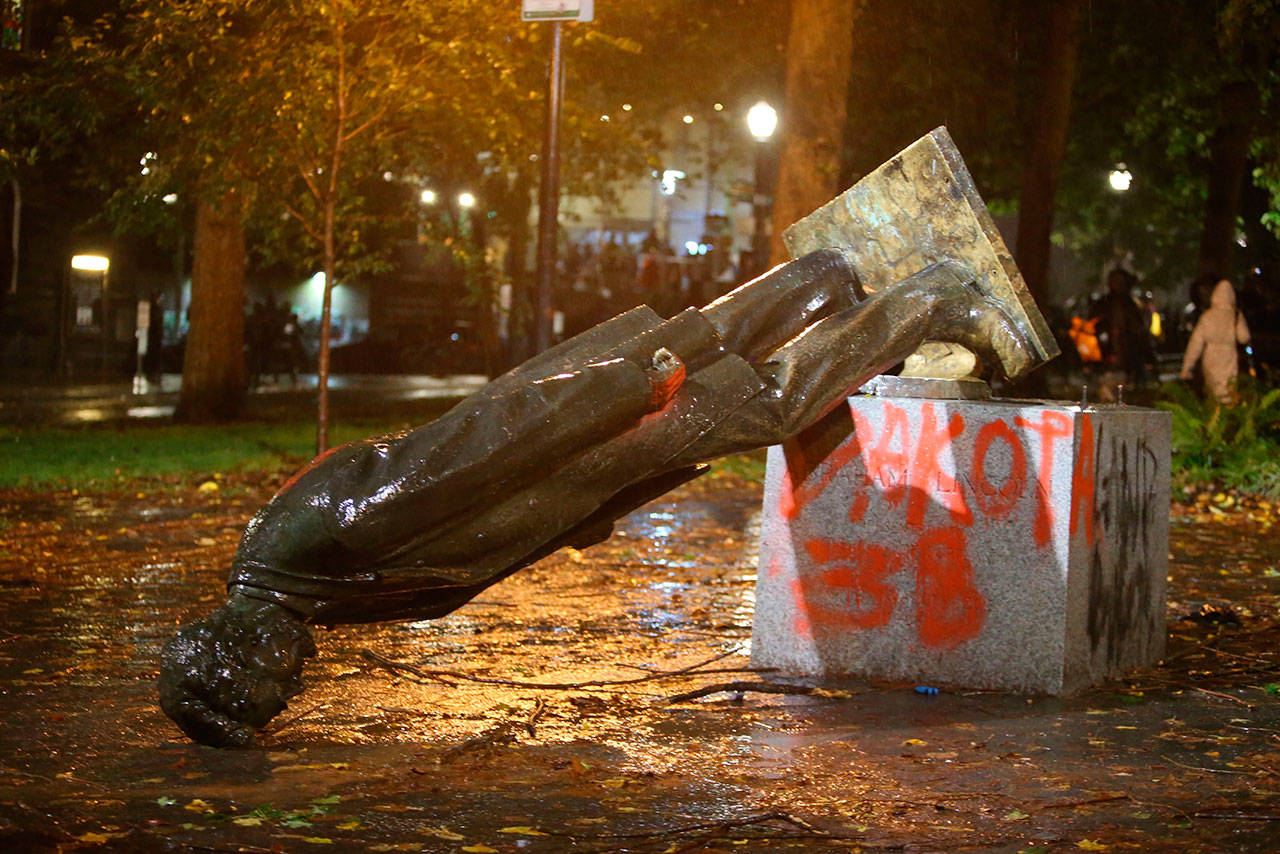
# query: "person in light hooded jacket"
{"points": [[1220, 329]]}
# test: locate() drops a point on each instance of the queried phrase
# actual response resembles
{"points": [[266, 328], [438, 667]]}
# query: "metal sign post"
{"points": [[558, 10], [554, 11]]}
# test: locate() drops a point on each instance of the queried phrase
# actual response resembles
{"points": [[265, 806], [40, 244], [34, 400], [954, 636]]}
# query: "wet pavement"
{"points": [[537, 717]]}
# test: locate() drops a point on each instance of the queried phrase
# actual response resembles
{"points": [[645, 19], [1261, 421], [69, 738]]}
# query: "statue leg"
{"points": [[815, 370], [760, 316]]}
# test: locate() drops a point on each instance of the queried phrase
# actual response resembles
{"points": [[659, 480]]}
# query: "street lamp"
{"points": [[1120, 178], [427, 197], [466, 200], [83, 303], [762, 121], [90, 263]]}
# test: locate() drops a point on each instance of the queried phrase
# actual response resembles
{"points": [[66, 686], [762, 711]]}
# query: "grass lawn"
{"points": [[101, 456], [106, 456]]}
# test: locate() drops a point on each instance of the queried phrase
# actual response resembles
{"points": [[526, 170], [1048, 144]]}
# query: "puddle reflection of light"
{"points": [[89, 415], [149, 411]]}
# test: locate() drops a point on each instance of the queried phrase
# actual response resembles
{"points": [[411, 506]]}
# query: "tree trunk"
{"points": [[819, 57], [326, 318], [1229, 160], [213, 368], [1046, 144]]}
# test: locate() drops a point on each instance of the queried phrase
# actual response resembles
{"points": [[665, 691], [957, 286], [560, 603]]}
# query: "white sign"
{"points": [[557, 10]]}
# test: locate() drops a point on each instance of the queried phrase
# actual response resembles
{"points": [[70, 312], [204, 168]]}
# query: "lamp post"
{"points": [[97, 264], [762, 121]]}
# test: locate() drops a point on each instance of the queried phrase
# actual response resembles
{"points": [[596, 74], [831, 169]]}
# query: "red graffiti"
{"points": [[926, 480], [849, 588], [888, 466], [949, 609], [854, 581], [898, 462], [793, 499], [1082, 480], [998, 503], [1051, 427]]}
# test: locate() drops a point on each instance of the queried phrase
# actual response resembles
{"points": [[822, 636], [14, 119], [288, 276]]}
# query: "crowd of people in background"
{"points": [[273, 343], [598, 281], [1118, 336]]}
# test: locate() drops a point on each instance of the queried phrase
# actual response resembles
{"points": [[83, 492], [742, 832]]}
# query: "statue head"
{"points": [[226, 675]]}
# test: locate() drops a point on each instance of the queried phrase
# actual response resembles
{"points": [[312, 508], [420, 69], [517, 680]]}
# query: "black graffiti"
{"points": [[1123, 557]]}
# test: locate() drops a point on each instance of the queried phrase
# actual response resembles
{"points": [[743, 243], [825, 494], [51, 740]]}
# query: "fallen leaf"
{"points": [[522, 829], [350, 824], [914, 742], [1015, 815], [165, 801], [99, 837], [479, 849], [247, 821], [1090, 845], [443, 833], [197, 805]]}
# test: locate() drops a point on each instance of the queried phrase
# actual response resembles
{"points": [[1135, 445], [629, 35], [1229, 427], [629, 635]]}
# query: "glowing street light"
{"points": [[466, 200], [1120, 178], [90, 263], [762, 120], [427, 197]]}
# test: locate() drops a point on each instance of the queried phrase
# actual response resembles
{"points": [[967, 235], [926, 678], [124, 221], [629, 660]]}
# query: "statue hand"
{"points": [[226, 675]]}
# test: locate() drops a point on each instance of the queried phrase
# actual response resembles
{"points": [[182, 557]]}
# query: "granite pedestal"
{"points": [[981, 544]]}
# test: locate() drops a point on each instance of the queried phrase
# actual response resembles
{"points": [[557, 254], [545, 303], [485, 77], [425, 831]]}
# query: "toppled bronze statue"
{"points": [[414, 525]]}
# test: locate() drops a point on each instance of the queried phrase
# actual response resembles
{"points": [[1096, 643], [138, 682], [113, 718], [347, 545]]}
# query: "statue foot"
{"points": [[962, 313], [224, 676]]}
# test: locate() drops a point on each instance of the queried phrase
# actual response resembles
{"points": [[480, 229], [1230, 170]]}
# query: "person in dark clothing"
{"points": [[1126, 342], [414, 525]]}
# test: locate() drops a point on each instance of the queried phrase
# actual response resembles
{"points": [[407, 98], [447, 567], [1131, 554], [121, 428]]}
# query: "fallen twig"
{"points": [[758, 687], [1200, 767], [503, 733], [726, 824], [1238, 816], [538, 712], [442, 675], [1244, 703], [708, 831], [288, 722], [1100, 799]]}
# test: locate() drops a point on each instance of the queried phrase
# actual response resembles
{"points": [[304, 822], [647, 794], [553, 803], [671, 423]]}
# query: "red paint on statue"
{"points": [[885, 465], [851, 590], [926, 480], [992, 502], [1082, 502], [1051, 427], [949, 609]]}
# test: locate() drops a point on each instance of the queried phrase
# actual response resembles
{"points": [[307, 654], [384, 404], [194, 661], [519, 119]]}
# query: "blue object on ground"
{"points": [[926, 689]]}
